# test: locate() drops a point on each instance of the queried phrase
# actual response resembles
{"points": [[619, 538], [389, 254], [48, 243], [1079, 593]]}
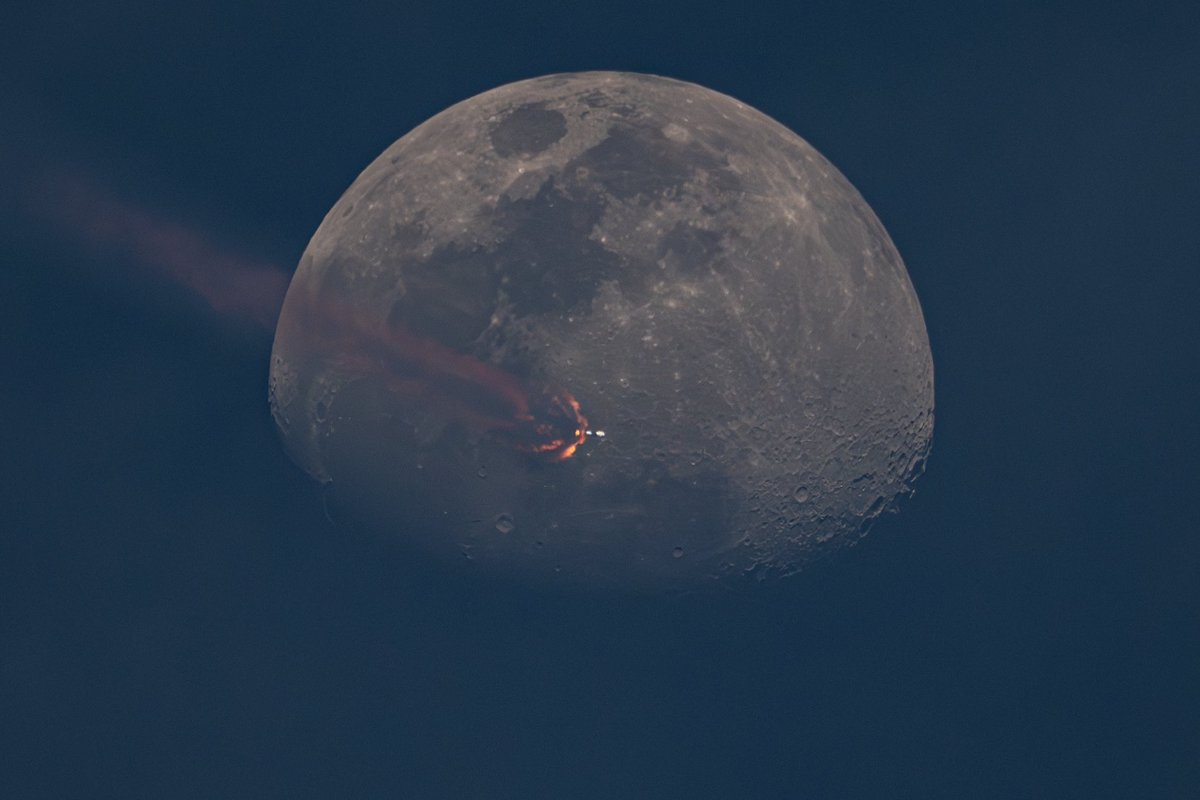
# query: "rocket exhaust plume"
{"points": [[229, 284], [543, 421]]}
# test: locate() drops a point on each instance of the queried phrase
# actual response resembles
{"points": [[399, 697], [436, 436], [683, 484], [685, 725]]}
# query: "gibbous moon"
{"points": [[606, 330]]}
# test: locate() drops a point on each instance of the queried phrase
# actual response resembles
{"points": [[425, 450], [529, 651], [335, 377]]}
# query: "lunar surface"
{"points": [[606, 329]]}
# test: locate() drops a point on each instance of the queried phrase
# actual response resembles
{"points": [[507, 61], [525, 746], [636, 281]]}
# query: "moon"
{"points": [[606, 330]]}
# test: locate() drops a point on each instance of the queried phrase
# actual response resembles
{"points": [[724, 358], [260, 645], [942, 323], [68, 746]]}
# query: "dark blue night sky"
{"points": [[179, 617]]}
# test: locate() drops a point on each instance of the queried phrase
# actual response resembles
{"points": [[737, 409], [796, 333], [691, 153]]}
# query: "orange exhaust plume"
{"points": [[547, 423], [231, 285]]}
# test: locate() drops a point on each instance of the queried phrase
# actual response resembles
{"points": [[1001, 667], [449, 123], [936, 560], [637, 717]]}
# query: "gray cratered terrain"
{"points": [[719, 300]]}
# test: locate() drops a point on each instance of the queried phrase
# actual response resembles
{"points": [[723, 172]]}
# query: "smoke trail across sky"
{"points": [[540, 420], [230, 284]]}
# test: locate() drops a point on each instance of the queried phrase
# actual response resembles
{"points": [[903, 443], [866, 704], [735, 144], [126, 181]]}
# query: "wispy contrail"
{"points": [[230, 284], [543, 421]]}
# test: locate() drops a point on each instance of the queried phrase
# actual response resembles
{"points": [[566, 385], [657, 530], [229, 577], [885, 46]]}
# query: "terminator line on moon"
{"points": [[609, 253]]}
